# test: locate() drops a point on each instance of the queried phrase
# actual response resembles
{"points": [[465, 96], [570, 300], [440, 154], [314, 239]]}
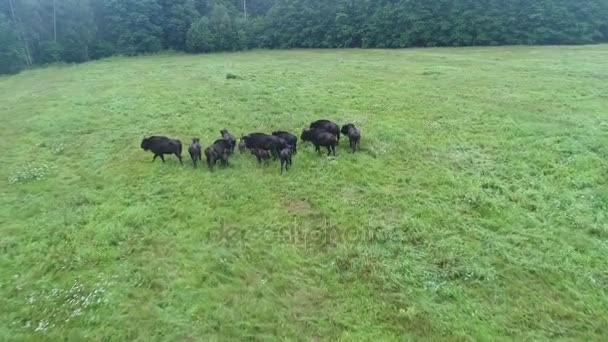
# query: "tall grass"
{"points": [[476, 209]]}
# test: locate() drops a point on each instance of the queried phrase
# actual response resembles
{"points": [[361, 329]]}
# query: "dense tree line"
{"points": [[45, 31]]}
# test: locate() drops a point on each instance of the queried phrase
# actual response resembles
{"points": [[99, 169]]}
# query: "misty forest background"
{"points": [[46, 31]]}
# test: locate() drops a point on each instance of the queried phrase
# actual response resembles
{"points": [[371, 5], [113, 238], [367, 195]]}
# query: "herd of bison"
{"points": [[280, 144]]}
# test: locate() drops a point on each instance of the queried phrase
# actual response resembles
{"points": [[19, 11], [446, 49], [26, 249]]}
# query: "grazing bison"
{"points": [[354, 135], [195, 151], [320, 138], [291, 139], [229, 138], [162, 145], [261, 155], [218, 151], [327, 126], [285, 157], [264, 142]]}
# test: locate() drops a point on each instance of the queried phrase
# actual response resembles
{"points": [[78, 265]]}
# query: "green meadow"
{"points": [[477, 208]]}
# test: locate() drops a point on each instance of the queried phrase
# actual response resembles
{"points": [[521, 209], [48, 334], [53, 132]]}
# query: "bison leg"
{"points": [[162, 157], [179, 156], [210, 161], [224, 158], [153, 159], [287, 164], [274, 152], [317, 148]]}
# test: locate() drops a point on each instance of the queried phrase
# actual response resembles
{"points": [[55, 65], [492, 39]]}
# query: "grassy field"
{"points": [[477, 208]]}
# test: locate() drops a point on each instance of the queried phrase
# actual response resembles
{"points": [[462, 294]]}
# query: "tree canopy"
{"points": [[44, 31]]}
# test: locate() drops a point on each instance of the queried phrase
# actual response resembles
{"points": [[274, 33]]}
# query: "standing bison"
{"points": [[264, 142], [321, 138], [230, 139], [219, 151], [160, 146], [285, 157], [195, 151], [353, 134], [291, 140], [327, 126]]}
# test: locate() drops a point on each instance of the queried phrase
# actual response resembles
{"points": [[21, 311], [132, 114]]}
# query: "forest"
{"points": [[46, 31]]}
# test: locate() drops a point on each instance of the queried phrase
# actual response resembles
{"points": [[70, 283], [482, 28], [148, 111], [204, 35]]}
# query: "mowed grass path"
{"points": [[476, 209]]}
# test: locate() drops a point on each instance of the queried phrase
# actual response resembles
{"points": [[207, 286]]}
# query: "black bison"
{"points": [[291, 140], [327, 126], [218, 151], [261, 155], [353, 134], [320, 138], [229, 138], [195, 151], [264, 142], [285, 157], [162, 145]]}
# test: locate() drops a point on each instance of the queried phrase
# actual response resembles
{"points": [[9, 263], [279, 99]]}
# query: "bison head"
{"points": [[305, 134], [224, 132], [144, 144]]}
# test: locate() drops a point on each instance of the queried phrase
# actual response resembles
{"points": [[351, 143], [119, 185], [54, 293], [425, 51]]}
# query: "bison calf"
{"points": [[160, 146], [285, 157], [320, 138], [230, 139], [195, 151], [261, 155], [354, 136], [218, 151]]}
